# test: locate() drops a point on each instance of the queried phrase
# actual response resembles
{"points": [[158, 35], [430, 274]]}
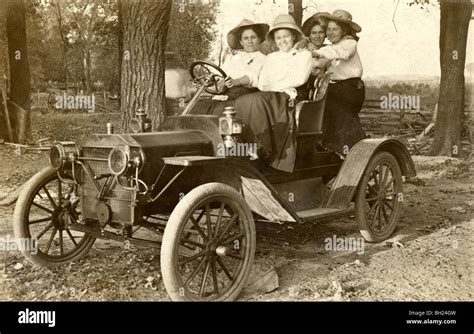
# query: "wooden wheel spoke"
{"points": [[42, 208], [224, 269], [389, 205], [235, 256], [53, 203], [61, 242], [375, 215], [191, 242], [227, 227], [385, 215], [214, 276], [192, 258], [50, 240], [43, 232], [208, 222], [198, 228], [196, 270], [372, 208], [231, 239], [204, 277], [40, 220], [371, 199], [71, 237], [219, 219]]}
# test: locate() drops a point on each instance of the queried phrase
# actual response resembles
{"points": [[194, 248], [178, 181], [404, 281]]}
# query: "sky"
{"points": [[407, 47]]}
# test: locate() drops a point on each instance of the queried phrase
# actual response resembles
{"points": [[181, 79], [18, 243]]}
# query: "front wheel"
{"points": [[45, 208], [208, 245], [378, 201]]}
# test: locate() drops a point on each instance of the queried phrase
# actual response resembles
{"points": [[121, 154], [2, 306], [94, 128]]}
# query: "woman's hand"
{"points": [[229, 82]]}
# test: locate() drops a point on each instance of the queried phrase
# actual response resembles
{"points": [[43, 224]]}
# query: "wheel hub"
{"points": [[61, 215]]}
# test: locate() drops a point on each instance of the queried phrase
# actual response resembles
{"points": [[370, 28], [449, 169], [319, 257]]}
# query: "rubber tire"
{"points": [[171, 235], [360, 197], [20, 229]]}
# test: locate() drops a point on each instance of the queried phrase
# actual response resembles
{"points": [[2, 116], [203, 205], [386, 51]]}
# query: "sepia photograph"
{"points": [[237, 150]]}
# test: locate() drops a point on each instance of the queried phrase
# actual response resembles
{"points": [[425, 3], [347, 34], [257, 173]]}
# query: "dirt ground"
{"points": [[429, 257]]}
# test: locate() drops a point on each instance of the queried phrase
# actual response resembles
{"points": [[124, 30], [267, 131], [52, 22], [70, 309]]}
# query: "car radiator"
{"points": [[119, 200]]}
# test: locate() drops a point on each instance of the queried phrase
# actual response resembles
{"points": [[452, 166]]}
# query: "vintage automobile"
{"points": [[201, 204]]}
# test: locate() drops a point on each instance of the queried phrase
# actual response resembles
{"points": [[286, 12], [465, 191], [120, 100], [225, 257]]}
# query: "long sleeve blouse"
{"points": [[284, 71], [245, 63], [345, 59]]}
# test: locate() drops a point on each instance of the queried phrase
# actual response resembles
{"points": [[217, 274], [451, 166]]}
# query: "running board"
{"points": [[318, 213]]}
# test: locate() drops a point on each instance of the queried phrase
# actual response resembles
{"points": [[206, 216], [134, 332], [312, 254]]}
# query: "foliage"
{"points": [[191, 31]]}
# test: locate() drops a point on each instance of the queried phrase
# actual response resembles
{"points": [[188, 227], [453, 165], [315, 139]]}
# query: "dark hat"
{"points": [[310, 22]]}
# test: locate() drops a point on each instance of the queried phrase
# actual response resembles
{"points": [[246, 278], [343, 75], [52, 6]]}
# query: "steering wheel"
{"points": [[207, 73]]}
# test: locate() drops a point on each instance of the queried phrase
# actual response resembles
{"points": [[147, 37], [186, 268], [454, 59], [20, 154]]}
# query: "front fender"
{"points": [[259, 194]]}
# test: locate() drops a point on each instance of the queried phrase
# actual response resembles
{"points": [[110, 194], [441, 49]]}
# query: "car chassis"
{"points": [[200, 205]]}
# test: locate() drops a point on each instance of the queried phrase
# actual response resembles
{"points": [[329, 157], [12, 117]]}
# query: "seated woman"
{"points": [[346, 91], [242, 67], [268, 114]]}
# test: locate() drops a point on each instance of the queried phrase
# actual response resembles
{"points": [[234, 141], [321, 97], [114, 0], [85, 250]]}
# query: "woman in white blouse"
{"points": [[242, 66], [346, 91], [269, 114]]}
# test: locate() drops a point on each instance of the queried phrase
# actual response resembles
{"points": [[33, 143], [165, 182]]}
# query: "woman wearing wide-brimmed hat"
{"points": [[268, 115], [315, 30], [242, 66], [346, 91]]}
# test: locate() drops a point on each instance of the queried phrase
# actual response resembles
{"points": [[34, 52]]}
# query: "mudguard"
{"points": [[259, 194], [354, 166]]}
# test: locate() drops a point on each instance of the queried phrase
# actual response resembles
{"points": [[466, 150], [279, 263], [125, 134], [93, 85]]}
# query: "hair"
{"points": [[346, 29], [254, 29], [323, 23]]}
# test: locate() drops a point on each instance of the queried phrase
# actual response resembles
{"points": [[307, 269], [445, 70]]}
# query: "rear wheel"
{"points": [[208, 245], [45, 208], [379, 197]]}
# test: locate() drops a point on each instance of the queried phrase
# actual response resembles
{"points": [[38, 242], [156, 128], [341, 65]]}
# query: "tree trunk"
{"points": [[454, 24], [295, 9], [20, 87], [120, 46], [145, 27]]}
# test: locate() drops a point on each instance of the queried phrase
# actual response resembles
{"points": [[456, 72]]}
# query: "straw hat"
{"points": [[343, 16], [233, 37], [287, 22], [310, 22]]}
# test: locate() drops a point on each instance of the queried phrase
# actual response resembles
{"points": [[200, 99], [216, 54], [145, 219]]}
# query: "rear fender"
{"points": [[354, 165]]}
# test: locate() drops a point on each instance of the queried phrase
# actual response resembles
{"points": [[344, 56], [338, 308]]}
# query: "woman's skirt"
{"points": [[270, 123], [216, 107], [341, 124]]}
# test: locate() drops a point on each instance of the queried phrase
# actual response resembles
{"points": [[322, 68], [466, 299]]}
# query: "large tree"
{"points": [[145, 27], [454, 25], [20, 87], [295, 9]]}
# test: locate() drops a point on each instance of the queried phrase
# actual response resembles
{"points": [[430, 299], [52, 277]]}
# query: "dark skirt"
{"points": [[341, 125], [270, 123], [216, 107]]}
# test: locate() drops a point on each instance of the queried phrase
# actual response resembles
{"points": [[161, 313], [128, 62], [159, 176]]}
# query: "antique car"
{"points": [[198, 204]]}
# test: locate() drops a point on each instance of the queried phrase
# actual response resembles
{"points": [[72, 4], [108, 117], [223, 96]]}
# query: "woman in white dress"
{"points": [[269, 114], [242, 66]]}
